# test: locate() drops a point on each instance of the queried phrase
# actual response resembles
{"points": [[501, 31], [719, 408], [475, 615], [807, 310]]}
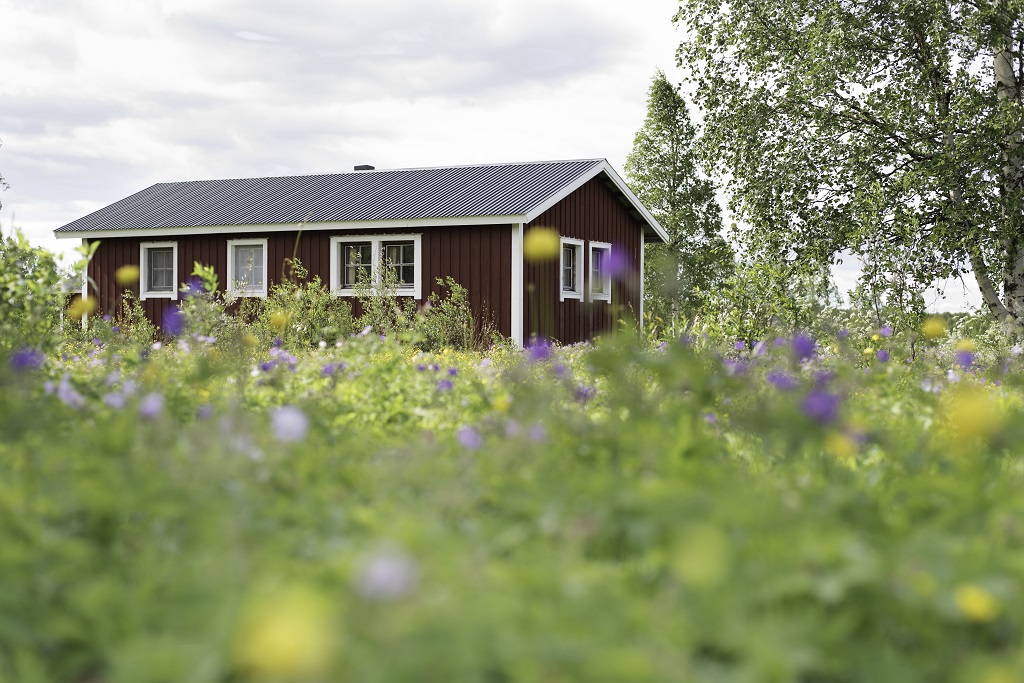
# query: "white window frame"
{"points": [[377, 242], [144, 291], [606, 295], [577, 292], [261, 291]]}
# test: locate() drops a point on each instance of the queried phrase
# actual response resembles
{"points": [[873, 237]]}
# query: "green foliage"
{"points": [[381, 310], [891, 129], [302, 312], [664, 172], [448, 321], [31, 294], [608, 513]]}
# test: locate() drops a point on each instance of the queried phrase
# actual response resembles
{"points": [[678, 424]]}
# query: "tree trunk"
{"points": [[1005, 67]]}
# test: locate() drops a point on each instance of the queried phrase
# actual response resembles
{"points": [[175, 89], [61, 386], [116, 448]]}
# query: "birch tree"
{"points": [[881, 124]]}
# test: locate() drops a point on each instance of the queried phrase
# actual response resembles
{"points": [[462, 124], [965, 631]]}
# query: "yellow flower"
{"points": [[842, 448], [875, 337], [975, 603], [81, 307], [278, 319], [503, 403], [541, 244], [868, 351], [126, 275], [249, 340], [971, 413], [934, 327], [285, 635], [966, 345]]}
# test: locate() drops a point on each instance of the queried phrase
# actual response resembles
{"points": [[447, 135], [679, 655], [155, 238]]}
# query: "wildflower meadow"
{"points": [[240, 502]]}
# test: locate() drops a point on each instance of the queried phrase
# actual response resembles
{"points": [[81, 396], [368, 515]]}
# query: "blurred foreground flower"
{"points": [[80, 307], [285, 635], [469, 438], [151, 406], [387, 575], [541, 244], [975, 603], [126, 276], [821, 406], [289, 424], [25, 359], [803, 347], [933, 328], [173, 322]]}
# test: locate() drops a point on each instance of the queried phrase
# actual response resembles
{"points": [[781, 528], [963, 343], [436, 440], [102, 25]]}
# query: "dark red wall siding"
{"points": [[593, 212], [478, 257]]}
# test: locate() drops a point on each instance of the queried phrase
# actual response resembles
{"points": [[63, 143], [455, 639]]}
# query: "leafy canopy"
{"points": [[888, 127]]}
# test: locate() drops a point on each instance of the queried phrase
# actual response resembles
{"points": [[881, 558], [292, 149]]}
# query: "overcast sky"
{"points": [[102, 98]]}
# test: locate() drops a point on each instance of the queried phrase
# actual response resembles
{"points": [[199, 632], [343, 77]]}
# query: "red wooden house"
{"points": [[468, 222]]}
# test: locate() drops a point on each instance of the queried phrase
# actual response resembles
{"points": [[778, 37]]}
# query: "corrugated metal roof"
{"points": [[386, 195]]}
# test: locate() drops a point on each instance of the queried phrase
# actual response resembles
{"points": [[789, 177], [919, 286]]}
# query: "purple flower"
{"points": [[151, 406], [421, 367], [107, 318], [539, 350], [469, 438], [844, 333], [204, 412], [782, 381], [585, 393], [886, 331], [734, 368], [803, 347], [25, 359], [193, 287], [779, 341], [616, 263], [267, 366], [821, 406], [560, 370], [452, 372], [332, 368], [445, 385], [710, 418], [537, 433], [67, 394], [485, 363], [387, 575], [115, 400], [740, 346], [964, 359], [289, 424], [173, 322], [115, 328], [96, 341], [760, 348], [882, 355]]}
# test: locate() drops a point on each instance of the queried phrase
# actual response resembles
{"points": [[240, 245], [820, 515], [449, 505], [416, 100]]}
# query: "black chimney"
{"points": [[363, 167]]}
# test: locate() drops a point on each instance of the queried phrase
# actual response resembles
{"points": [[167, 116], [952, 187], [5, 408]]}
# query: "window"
{"points": [[600, 277], [570, 267], [366, 256], [159, 270], [247, 267]]}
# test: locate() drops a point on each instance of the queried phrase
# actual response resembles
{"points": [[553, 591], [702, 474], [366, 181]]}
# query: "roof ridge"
{"points": [[388, 170]]}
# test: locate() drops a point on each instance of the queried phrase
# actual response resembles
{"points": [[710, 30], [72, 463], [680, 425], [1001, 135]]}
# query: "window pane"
{"points": [[357, 257], [160, 276], [248, 263], [569, 268], [598, 280], [400, 257]]}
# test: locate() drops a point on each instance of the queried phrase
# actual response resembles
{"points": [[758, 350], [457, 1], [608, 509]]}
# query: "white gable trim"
{"points": [[606, 168], [517, 285]]}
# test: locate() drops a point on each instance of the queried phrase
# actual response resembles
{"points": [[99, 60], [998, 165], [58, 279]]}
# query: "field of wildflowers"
{"points": [[834, 507]]}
